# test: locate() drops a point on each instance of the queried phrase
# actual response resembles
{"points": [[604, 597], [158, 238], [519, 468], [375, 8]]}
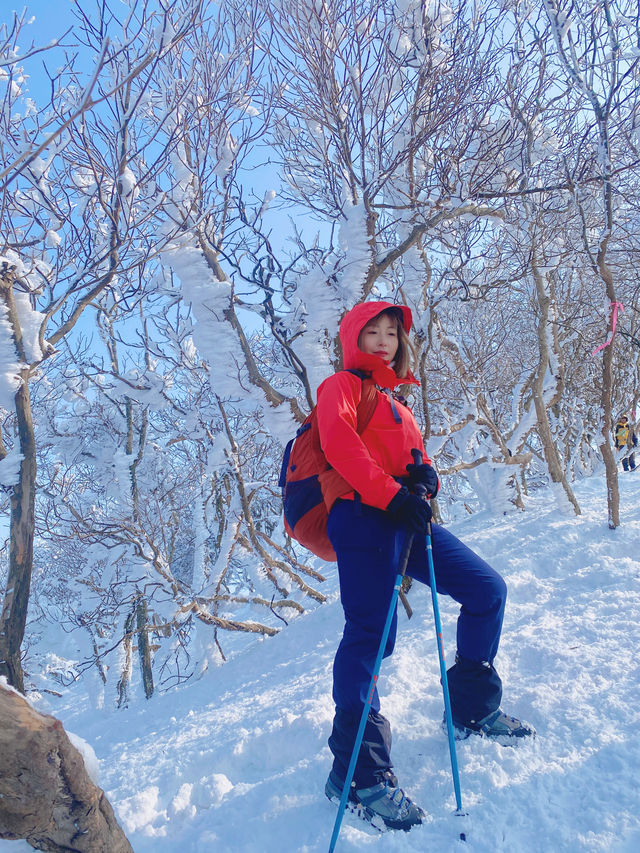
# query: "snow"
{"points": [[236, 762], [30, 322], [209, 298], [10, 467], [9, 366], [52, 239], [91, 762], [353, 240], [127, 182]]}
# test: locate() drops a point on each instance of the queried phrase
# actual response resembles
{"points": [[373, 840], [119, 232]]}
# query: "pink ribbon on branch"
{"points": [[615, 306]]}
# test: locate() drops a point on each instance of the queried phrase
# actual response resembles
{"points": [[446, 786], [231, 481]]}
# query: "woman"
{"points": [[372, 509]]}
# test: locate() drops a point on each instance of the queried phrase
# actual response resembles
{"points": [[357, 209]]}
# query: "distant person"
{"points": [[626, 439]]}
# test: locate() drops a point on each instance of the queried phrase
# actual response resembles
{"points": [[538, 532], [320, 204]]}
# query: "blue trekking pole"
{"points": [[420, 489], [372, 686], [443, 676]]}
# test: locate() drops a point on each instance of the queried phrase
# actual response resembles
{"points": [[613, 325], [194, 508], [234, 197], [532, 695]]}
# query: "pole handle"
{"points": [[419, 488]]}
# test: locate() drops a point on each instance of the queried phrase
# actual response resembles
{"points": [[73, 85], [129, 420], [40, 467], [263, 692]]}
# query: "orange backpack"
{"points": [[305, 512]]}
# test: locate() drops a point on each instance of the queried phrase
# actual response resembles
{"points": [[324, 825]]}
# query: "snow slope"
{"points": [[236, 762]]}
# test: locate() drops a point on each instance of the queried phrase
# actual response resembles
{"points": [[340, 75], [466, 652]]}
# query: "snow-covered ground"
{"points": [[236, 762]]}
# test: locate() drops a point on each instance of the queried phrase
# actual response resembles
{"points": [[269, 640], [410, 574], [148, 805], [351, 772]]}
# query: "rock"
{"points": [[46, 795]]}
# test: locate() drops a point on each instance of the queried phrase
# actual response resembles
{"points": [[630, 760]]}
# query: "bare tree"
{"points": [[39, 200], [595, 49], [474, 162]]}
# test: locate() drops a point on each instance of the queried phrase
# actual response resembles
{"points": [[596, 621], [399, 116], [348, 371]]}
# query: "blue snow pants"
{"points": [[368, 545]]}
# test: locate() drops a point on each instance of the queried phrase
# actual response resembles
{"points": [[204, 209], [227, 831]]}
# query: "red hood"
{"points": [[354, 359]]}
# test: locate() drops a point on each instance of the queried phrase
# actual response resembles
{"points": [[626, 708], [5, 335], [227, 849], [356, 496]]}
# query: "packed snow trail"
{"points": [[236, 762]]}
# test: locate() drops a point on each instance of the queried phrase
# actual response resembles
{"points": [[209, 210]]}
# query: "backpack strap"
{"points": [[368, 400], [365, 410]]}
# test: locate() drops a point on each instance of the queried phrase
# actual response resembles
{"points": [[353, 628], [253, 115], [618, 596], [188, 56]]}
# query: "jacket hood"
{"points": [[354, 359]]}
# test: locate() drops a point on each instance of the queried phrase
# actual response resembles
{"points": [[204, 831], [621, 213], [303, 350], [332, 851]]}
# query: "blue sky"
{"points": [[49, 19], [52, 17]]}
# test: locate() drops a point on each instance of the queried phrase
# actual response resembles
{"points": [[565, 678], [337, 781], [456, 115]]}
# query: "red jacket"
{"points": [[370, 461]]}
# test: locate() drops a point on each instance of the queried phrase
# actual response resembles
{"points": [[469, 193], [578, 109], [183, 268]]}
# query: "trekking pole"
{"points": [[443, 675], [404, 558], [420, 490]]}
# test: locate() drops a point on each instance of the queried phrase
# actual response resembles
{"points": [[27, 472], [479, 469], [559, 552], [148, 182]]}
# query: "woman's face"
{"points": [[380, 337]]}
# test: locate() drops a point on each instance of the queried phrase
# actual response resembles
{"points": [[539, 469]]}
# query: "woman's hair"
{"points": [[405, 358]]}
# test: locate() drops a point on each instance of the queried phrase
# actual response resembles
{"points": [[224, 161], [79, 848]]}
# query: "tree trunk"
{"points": [[610, 464], [125, 675], [13, 619], [143, 647], [551, 456], [606, 397]]}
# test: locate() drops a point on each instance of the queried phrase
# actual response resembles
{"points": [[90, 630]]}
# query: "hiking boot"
{"points": [[497, 726], [384, 803]]}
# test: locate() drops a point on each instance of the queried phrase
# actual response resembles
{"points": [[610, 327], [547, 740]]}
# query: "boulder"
{"points": [[46, 795]]}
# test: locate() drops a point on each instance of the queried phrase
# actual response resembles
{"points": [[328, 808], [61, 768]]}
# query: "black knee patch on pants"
{"points": [[374, 758], [475, 690]]}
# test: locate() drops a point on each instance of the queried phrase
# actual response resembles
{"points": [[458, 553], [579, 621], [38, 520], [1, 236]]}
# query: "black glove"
{"points": [[410, 511], [424, 475]]}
